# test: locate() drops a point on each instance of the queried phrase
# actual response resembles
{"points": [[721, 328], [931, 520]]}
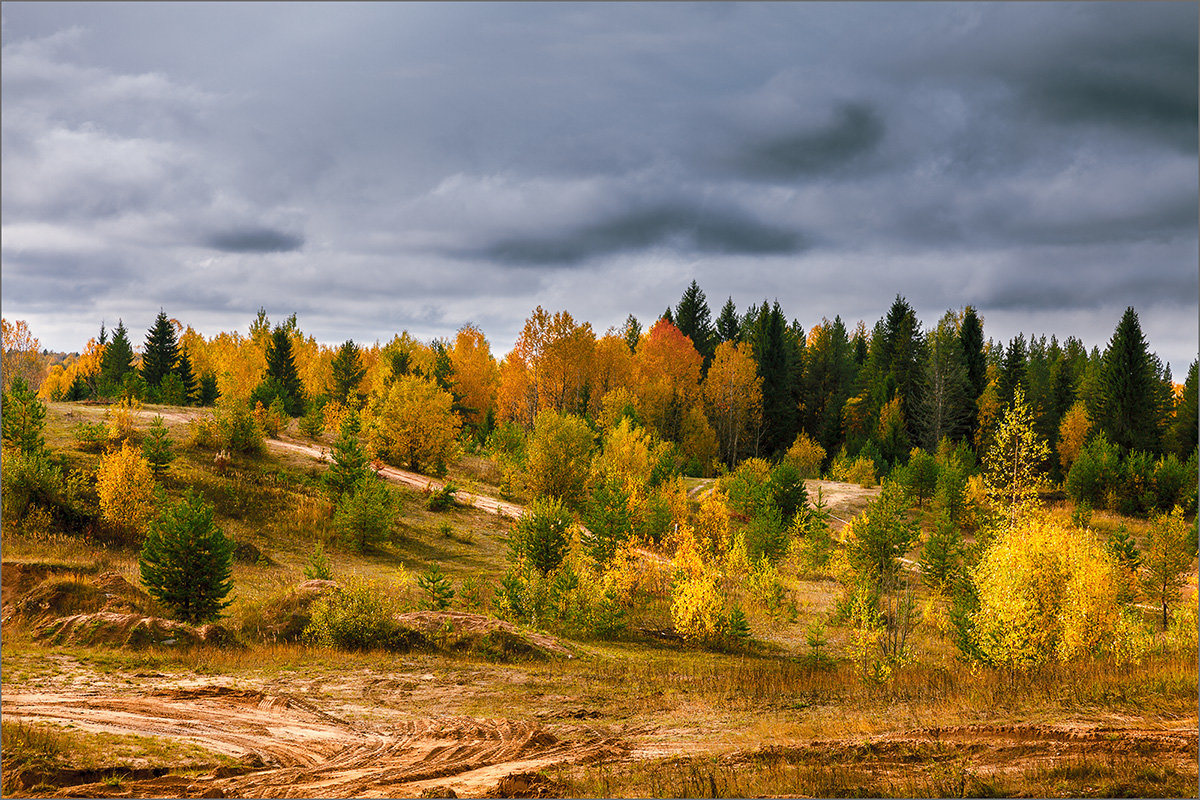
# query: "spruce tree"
{"points": [[771, 356], [694, 320], [160, 352], [187, 378], [349, 459], [187, 562], [729, 326], [348, 371], [157, 448], [117, 360], [1013, 371], [208, 392], [1126, 398], [631, 332], [901, 354], [282, 368], [1186, 423]]}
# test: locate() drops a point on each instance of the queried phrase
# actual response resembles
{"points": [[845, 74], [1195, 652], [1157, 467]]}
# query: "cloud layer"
{"points": [[378, 167]]}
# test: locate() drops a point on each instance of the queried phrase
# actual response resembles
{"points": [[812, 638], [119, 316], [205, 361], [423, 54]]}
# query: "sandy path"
{"points": [[293, 749]]}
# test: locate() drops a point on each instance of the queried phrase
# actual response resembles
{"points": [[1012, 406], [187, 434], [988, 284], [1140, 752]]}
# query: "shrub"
{"points": [[766, 536], [559, 456], [442, 499], [1045, 593], [312, 424], [608, 519], [861, 470], [746, 487], [357, 616], [125, 485], [806, 456], [231, 426], [317, 567], [1094, 471], [90, 436], [542, 534], [187, 562], [30, 480], [786, 489], [697, 609], [1172, 481]]}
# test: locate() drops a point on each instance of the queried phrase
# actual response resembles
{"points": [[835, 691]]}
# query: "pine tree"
{"points": [[1185, 424], [157, 448], [348, 371], [209, 392], [631, 332], [187, 562], [438, 589], [693, 318], [349, 459], [1013, 371], [117, 360], [160, 352], [282, 368], [23, 418], [900, 356], [729, 326], [1126, 398], [771, 356]]}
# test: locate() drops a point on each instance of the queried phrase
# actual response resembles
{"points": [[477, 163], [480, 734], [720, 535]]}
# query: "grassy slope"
{"points": [[664, 700]]}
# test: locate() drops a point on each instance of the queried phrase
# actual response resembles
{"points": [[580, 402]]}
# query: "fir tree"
{"points": [[160, 353], [970, 337], [944, 407], [187, 378], [209, 392], [348, 371], [1125, 403], [771, 355], [1013, 371], [282, 368], [23, 417], [631, 332], [157, 448], [187, 562], [693, 318], [729, 326], [349, 459], [1186, 423], [117, 360]]}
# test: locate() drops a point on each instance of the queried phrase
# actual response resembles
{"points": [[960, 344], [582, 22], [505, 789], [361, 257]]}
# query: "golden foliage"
{"points": [[20, 356], [1048, 593], [125, 486], [666, 374], [733, 391], [412, 425], [476, 375], [806, 455], [1072, 434]]}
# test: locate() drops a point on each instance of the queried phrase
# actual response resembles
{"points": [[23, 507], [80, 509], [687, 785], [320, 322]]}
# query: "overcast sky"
{"points": [[383, 167]]}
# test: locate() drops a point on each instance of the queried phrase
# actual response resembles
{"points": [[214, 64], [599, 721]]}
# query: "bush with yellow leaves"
{"points": [[1049, 593], [125, 486], [806, 455]]}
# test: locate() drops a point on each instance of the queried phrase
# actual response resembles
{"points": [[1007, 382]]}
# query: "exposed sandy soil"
{"points": [[288, 747]]}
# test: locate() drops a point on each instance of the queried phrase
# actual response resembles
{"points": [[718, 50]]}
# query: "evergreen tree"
{"points": [[901, 356], [187, 562], [157, 448], [828, 382], [348, 371], [771, 355], [631, 332], [1126, 407], [729, 326], [282, 368], [117, 360], [160, 352], [970, 337], [944, 408], [23, 418], [693, 318], [187, 378], [209, 392], [102, 339], [668, 316], [439, 591], [1013, 371], [349, 466]]}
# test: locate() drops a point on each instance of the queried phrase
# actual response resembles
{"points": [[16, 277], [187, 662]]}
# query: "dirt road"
{"points": [[288, 747]]}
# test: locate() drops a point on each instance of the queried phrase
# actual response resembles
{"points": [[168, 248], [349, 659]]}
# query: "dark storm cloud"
{"points": [[253, 240], [855, 131], [692, 229]]}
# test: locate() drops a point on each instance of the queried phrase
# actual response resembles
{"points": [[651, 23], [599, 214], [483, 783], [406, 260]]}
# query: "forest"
{"points": [[883, 515]]}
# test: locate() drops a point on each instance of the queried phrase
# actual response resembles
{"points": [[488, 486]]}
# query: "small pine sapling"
{"points": [[157, 449], [438, 589], [738, 626], [317, 567], [187, 562], [814, 636]]}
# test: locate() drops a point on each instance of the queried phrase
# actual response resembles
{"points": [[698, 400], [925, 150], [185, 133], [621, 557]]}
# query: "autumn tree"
{"points": [[413, 425], [476, 375], [160, 352], [666, 379], [1169, 551], [1073, 434], [612, 368], [733, 391], [186, 561], [21, 354], [558, 456], [1015, 462], [125, 486]]}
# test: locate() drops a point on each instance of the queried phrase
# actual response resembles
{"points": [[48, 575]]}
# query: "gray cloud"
{"points": [[253, 240], [855, 130], [694, 229]]}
